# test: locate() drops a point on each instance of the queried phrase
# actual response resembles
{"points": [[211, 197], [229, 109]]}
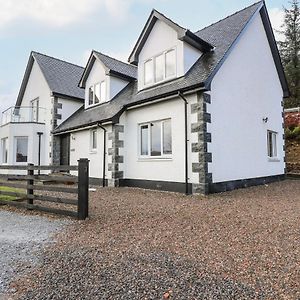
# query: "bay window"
{"points": [[160, 67], [97, 93], [21, 146], [156, 139]]}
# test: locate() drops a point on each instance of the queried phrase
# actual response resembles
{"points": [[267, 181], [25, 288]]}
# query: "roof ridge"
{"points": [[126, 63], [64, 61], [229, 16]]}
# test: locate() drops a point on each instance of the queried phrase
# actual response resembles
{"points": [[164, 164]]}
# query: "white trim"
{"points": [[148, 156], [93, 86], [92, 149], [274, 154], [165, 78]]}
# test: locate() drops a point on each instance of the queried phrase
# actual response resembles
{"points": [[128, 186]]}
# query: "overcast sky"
{"points": [[70, 29]]}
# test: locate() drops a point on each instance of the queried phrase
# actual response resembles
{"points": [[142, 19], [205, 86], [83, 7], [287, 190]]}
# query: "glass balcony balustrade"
{"points": [[23, 115]]}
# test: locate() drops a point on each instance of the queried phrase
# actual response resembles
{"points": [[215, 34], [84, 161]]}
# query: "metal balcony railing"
{"points": [[23, 114]]}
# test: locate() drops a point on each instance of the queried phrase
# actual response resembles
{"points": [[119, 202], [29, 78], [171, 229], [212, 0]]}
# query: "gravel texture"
{"points": [[22, 239], [151, 245]]}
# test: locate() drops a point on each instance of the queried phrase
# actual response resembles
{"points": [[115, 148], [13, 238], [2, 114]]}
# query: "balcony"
{"points": [[23, 115]]}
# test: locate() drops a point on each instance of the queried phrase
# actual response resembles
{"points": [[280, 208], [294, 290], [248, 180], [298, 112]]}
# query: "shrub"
{"points": [[296, 132], [292, 119], [288, 134]]}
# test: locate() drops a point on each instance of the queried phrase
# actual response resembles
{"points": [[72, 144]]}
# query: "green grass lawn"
{"points": [[10, 189]]}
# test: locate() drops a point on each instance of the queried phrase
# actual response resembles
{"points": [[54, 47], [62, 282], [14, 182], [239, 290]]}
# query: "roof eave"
{"points": [[274, 49], [87, 70], [25, 79]]}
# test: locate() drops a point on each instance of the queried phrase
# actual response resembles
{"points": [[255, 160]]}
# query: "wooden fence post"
{"points": [[30, 172], [83, 188]]}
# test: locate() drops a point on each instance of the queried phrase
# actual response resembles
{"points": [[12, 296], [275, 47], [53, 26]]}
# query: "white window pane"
{"points": [[97, 93], [94, 139], [21, 149], [167, 137], [148, 72], [103, 91], [91, 95], [170, 63], [156, 139], [272, 144], [159, 68], [144, 139]]}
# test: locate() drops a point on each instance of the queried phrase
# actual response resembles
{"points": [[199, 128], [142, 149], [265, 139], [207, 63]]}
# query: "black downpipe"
{"points": [[186, 143], [39, 151], [104, 152]]}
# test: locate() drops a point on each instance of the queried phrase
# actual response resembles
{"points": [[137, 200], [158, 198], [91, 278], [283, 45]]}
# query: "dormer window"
{"points": [[160, 67], [97, 93]]}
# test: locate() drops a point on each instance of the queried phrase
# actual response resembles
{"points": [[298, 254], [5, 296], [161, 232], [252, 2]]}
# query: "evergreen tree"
{"points": [[290, 52]]}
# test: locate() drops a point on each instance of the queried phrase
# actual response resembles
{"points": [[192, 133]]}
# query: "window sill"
{"points": [[150, 159], [274, 159], [93, 151], [155, 84]]}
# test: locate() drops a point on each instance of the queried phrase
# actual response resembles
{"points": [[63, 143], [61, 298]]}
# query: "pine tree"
{"points": [[290, 52]]}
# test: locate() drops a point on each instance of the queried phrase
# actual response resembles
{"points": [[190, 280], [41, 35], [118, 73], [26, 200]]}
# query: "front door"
{"points": [[65, 150]]}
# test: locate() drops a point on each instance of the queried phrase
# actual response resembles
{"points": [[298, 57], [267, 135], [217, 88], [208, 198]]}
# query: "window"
{"points": [[94, 140], [103, 91], [148, 72], [35, 110], [144, 139], [21, 149], [156, 139], [4, 150], [160, 67], [91, 95], [170, 63], [97, 93], [272, 144]]}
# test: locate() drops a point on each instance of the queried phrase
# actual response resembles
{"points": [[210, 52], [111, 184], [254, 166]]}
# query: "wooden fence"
{"points": [[81, 189]]}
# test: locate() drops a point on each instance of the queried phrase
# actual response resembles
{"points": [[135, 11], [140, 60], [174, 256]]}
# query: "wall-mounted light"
{"points": [[265, 120]]}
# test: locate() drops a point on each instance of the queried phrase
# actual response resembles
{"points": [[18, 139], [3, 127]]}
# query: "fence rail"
{"points": [[27, 190]]}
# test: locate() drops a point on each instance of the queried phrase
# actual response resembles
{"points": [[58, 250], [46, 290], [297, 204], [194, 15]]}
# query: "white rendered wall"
{"points": [[116, 85], [162, 38], [37, 87], [69, 107], [80, 148], [158, 169], [245, 90]]}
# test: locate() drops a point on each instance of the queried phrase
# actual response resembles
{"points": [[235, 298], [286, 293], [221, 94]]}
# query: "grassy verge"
{"points": [[10, 189]]}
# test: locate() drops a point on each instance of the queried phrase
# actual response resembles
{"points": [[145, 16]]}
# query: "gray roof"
{"points": [[117, 66], [62, 77], [111, 65], [222, 35]]}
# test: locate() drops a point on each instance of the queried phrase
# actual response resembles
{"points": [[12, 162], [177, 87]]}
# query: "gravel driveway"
{"points": [[142, 244], [22, 238]]}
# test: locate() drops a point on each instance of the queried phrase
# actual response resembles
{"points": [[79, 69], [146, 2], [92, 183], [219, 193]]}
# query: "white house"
{"points": [[48, 96], [194, 112]]}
